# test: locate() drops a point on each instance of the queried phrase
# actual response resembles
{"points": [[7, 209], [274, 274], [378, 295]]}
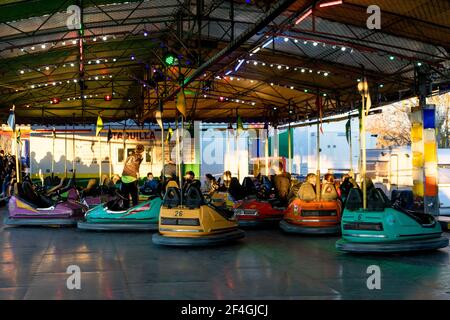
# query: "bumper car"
{"points": [[221, 199], [307, 214], [94, 194], [193, 222], [226, 196], [386, 228], [27, 207], [255, 212], [113, 216], [405, 200], [261, 207]]}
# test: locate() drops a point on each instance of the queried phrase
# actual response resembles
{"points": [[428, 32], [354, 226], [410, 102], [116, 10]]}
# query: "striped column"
{"points": [[417, 152], [431, 202], [424, 157]]}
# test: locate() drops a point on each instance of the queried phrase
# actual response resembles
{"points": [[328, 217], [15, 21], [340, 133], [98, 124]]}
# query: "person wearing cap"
{"points": [[130, 176]]}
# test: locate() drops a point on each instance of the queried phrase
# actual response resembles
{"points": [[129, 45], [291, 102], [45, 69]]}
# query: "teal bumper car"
{"points": [[112, 217], [386, 228]]}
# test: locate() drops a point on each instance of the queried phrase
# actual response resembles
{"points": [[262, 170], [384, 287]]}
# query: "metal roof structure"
{"points": [[246, 58]]}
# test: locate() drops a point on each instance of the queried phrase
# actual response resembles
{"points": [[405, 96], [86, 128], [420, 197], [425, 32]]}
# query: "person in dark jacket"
{"points": [[130, 176], [282, 183], [150, 185], [170, 170], [189, 180]]}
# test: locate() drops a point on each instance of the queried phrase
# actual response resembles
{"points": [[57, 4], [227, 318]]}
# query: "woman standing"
{"points": [[130, 176]]}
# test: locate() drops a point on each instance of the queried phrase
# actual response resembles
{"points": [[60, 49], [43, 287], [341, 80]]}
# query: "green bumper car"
{"points": [[111, 217], [383, 228]]}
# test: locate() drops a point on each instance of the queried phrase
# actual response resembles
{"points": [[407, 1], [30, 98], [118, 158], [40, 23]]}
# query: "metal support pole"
{"points": [[177, 155], [18, 171], [350, 144], [99, 160], [125, 154], [81, 56], [227, 156], [266, 151], [236, 151], [65, 152], [289, 148], [163, 151], [53, 152], [318, 161], [363, 151], [110, 159], [73, 144], [182, 145]]}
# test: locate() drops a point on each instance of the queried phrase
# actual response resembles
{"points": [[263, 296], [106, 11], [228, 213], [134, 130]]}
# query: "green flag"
{"points": [[18, 137], [348, 131], [239, 124]]}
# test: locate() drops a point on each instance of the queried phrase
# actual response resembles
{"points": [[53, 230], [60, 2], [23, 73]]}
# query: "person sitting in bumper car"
{"points": [[150, 185]]}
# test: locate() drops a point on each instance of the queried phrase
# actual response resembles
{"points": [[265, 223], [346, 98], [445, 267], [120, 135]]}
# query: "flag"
{"points": [[169, 134], [110, 135], [239, 124], [12, 120], [368, 103], [319, 108], [158, 117], [348, 131], [99, 127], [367, 96], [158, 114], [18, 137], [181, 103]]}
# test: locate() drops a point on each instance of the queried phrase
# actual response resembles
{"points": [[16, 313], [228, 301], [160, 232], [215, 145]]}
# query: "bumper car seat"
{"points": [[248, 187], [172, 198]]}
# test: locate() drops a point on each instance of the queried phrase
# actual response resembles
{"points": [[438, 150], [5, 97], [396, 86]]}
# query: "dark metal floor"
{"points": [[265, 265]]}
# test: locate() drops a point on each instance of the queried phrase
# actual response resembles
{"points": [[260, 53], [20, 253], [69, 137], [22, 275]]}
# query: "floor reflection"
{"points": [[267, 264]]}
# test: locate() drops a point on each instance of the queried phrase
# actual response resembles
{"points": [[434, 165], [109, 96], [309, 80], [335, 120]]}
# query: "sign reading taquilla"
{"points": [[133, 135]]}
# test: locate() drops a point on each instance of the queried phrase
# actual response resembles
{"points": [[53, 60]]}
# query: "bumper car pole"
{"points": [[266, 151], [73, 144], [65, 152], [289, 148], [319, 109], [16, 144], [53, 150], [110, 160], [363, 90], [350, 143], [159, 120], [100, 182], [177, 157]]}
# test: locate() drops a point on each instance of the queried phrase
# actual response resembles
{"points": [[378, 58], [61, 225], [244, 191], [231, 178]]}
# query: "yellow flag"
{"points": [[368, 103], [181, 103], [99, 126], [158, 117], [367, 96]]}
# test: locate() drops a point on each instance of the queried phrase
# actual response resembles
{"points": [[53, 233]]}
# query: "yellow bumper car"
{"points": [[190, 221]]}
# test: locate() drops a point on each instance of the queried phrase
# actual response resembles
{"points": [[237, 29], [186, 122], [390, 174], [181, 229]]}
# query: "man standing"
{"points": [[130, 176]]}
